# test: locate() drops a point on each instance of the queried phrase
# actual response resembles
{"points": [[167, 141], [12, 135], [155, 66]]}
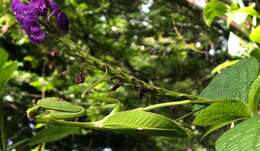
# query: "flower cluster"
{"points": [[28, 15]]}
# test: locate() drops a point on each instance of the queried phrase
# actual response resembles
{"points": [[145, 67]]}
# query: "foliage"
{"points": [[220, 114], [144, 122], [254, 35], [242, 137], [214, 9], [54, 133], [241, 75], [6, 69]]}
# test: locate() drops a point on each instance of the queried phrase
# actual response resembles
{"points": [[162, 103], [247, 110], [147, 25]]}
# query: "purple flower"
{"points": [[62, 20], [28, 16]]}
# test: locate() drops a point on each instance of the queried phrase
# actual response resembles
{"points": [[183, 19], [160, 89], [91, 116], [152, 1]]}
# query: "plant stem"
{"points": [[117, 73], [1, 5], [94, 84], [129, 79], [168, 104], [2, 128], [188, 114]]}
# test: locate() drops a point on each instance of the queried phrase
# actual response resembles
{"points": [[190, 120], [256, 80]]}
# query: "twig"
{"points": [[117, 73], [1, 5], [95, 83]]}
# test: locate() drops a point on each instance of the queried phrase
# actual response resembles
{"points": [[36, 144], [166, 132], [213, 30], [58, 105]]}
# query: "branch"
{"points": [[117, 73]]}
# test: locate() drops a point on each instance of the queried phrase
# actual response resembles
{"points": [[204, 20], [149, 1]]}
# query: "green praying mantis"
{"points": [[56, 111]]}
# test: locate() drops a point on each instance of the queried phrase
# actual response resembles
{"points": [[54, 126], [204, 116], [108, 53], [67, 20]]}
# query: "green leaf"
{"points": [[54, 133], [214, 9], [3, 57], [254, 95], [234, 6], [256, 53], [220, 114], [6, 73], [222, 66], [144, 122], [216, 127], [243, 137], [234, 82], [255, 35], [249, 11], [17, 144]]}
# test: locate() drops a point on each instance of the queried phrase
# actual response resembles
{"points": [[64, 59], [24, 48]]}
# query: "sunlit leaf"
{"points": [[234, 82], [144, 122], [3, 57], [6, 73], [220, 114], [218, 126], [213, 10], [249, 11], [254, 94], [255, 35], [243, 137], [224, 65]]}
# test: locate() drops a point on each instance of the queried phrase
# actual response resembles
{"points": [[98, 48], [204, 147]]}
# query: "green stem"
{"points": [[187, 115], [168, 104], [117, 73], [129, 79], [1, 5], [94, 84], [2, 127]]}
